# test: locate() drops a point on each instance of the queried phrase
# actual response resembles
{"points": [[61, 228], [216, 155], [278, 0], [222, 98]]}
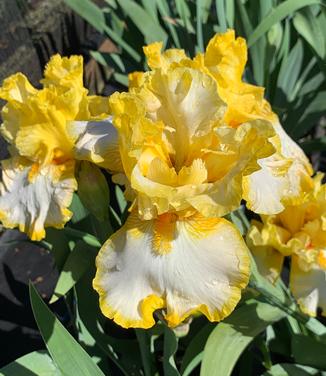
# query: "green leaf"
{"points": [[283, 10], [144, 341], [229, 9], [68, 355], [287, 369], [122, 203], [111, 60], [89, 314], [316, 327], [59, 246], [90, 12], [93, 190], [150, 6], [121, 78], [289, 72], [78, 209], [194, 352], [239, 219], [257, 52], [88, 238], [78, 261], [221, 15], [37, 363], [170, 348], [312, 112], [231, 336], [309, 351], [144, 21], [318, 144], [199, 25], [310, 28], [164, 10]]}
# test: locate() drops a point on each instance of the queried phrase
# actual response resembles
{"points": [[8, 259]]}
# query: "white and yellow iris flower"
{"points": [[47, 130], [283, 177], [299, 232], [191, 137]]}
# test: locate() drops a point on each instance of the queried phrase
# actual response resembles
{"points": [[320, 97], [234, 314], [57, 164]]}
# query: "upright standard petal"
{"points": [[181, 265], [33, 197]]}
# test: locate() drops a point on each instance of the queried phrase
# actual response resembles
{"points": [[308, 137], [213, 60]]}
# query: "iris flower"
{"points": [[194, 140], [43, 128], [299, 232]]}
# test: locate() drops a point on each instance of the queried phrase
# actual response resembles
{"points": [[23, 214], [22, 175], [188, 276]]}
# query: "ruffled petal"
{"points": [[299, 174], [16, 89], [308, 287], [180, 265], [64, 71], [97, 142], [249, 142], [264, 190], [189, 106], [269, 261], [226, 56], [135, 79], [42, 136], [157, 59], [284, 178], [34, 197]]}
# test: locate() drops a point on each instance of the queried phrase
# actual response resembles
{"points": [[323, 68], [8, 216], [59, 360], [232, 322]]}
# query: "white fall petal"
{"points": [[33, 197], [182, 265]]}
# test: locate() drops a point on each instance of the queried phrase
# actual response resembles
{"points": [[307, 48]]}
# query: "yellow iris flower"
{"points": [[194, 141], [300, 232], [47, 130]]}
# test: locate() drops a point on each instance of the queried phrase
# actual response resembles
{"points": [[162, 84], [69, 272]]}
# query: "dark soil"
{"points": [[19, 264]]}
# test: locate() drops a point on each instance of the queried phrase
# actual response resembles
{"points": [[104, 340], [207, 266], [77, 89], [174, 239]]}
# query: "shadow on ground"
{"points": [[20, 264]]}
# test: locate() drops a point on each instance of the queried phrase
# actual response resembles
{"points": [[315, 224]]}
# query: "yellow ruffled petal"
{"points": [[226, 56], [42, 136], [269, 261], [135, 79], [93, 107], [33, 197], [35, 121], [181, 265], [16, 90], [248, 143], [64, 71], [156, 59]]}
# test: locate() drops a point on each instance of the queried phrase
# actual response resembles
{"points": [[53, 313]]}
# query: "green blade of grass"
{"points": [[278, 14], [230, 337], [66, 352]]}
